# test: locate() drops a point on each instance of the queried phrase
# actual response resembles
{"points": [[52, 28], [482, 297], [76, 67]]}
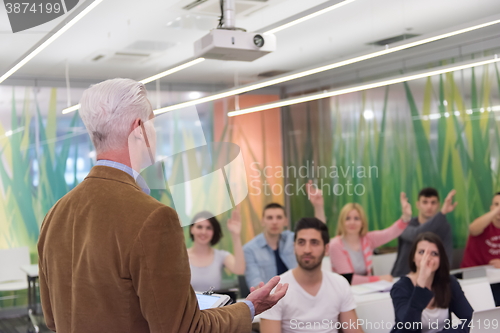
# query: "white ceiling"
{"points": [[116, 25]]}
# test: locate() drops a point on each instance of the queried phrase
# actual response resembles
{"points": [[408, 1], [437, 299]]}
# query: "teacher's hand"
{"points": [[262, 298]]}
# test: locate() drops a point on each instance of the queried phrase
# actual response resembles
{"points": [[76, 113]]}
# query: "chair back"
{"points": [[11, 261], [382, 263]]}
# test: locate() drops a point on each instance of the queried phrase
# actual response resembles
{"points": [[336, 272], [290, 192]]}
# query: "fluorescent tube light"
{"points": [[308, 17], [289, 77], [71, 109], [31, 54], [150, 79], [172, 70], [376, 84]]}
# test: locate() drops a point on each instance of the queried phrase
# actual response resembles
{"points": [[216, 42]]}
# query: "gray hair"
{"points": [[108, 110]]}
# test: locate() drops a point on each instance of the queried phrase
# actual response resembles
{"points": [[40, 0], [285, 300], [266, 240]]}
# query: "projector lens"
{"points": [[258, 40]]}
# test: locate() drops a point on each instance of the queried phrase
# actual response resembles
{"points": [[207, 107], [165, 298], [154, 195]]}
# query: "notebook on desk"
{"points": [[485, 321], [372, 287]]}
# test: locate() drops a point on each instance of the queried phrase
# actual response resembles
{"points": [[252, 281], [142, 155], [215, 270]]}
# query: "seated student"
{"points": [[316, 300], [271, 252], [206, 263], [351, 250], [428, 219], [425, 298], [483, 245]]}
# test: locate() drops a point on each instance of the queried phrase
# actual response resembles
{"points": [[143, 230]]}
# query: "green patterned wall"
{"points": [[441, 131], [34, 152]]}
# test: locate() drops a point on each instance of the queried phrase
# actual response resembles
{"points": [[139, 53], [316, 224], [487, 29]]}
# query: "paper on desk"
{"points": [[373, 287]]}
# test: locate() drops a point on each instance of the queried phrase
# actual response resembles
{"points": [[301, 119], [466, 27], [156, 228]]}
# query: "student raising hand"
{"points": [[448, 204], [315, 196], [405, 207], [234, 223]]}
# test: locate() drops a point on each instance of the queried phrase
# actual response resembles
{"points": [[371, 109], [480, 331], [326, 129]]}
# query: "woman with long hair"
{"points": [[351, 250], [206, 262], [425, 298]]}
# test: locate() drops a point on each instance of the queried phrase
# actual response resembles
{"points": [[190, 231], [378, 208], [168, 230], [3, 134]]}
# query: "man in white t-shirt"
{"points": [[316, 301]]}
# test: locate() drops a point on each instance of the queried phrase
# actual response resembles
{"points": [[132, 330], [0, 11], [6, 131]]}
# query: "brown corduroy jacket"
{"points": [[113, 259]]}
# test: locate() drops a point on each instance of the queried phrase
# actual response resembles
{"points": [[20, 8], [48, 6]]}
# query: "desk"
{"points": [[32, 274], [493, 275], [488, 271], [376, 311]]}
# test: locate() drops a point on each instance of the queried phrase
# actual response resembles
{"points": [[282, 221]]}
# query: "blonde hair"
{"points": [[343, 215]]}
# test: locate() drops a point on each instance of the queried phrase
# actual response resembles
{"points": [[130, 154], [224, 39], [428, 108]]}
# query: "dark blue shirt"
{"points": [[280, 265], [409, 301]]}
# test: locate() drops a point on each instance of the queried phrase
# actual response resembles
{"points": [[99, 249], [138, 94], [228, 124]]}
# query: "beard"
{"points": [[312, 263]]}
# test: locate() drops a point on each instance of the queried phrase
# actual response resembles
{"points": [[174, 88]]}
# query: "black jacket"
{"points": [[409, 301]]}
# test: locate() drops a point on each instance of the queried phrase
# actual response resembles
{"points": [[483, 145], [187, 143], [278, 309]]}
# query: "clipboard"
{"points": [[210, 301]]}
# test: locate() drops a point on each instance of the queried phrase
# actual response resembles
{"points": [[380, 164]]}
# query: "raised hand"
{"points": [[314, 194], [448, 205], [405, 207], [234, 223], [425, 270], [261, 297]]}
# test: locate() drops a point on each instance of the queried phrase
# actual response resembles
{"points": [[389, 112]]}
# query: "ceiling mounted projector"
{"points": [[237, 45], [230, 43]]}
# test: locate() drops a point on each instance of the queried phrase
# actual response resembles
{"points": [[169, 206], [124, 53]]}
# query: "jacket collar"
{"points": [[105, 172]]}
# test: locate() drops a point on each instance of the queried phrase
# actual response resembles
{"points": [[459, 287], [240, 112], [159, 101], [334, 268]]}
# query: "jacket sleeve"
{"points": [[341, 264], [409, 302], [381, 237], [435, 224], [45, 296], [252, 270], [460, 306], [45, 299], [160, 273]]}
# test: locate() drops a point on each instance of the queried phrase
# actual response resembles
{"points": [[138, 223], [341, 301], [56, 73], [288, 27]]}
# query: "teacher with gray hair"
{"points": [[111, 257]]}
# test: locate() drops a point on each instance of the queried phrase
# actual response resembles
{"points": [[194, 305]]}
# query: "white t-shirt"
{"points": [[299, 311], [434, 320]]}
